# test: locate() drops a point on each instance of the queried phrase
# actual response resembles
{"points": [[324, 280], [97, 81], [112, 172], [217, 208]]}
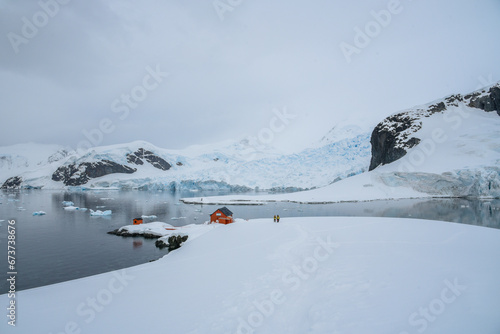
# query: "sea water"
{"points": [[68, 244]]}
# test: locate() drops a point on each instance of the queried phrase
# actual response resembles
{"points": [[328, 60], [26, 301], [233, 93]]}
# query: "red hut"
{"points": [[137, 221], [222, 216]]}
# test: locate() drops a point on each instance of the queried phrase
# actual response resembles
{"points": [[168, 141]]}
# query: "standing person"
{"points": [[275, 218], [278, 218]]}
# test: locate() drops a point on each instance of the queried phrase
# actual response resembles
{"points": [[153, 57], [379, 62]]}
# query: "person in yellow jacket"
{"points": [[275, 218], [278, 219]]}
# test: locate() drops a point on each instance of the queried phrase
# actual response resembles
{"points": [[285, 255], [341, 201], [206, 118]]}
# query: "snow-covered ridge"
{"points": [[235, 166]]}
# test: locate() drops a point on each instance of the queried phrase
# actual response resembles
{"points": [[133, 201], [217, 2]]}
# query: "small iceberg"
{"points": [[74, 208], [67, 203], [100, 213], [39, 213], [149, 217]]}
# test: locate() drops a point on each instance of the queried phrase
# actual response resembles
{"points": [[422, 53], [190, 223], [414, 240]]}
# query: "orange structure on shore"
{"points": [[222, 216]]}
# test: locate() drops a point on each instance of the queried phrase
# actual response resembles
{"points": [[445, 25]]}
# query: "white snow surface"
{"points": [[303, 275], [161, 229]]}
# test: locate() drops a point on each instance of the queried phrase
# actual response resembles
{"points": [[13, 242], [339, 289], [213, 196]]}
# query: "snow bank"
{"points": [[303, 275], [161, 229], [149, 217]]}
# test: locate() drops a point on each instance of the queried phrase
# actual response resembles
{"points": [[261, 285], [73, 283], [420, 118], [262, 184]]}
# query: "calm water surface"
{"points": [[64, 245]]}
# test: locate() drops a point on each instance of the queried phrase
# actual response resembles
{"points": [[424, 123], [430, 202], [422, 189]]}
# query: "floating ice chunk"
{"points": [[149, 217], [71, 208], [20, 208], [39, 213], [67, 203], [100, 213]]}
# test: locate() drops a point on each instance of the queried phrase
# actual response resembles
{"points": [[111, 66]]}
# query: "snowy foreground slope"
{"points": [[303, 275], [235, 166], [446, 148]]}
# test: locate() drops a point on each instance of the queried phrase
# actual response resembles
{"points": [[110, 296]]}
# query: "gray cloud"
{"points": [[227, 76]]}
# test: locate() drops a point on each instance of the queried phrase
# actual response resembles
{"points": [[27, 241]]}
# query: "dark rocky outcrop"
{"points": [[156, 161], [173, 242], [394, 136], [125, 233], [12, 183], [75, 175], [487, 102], [134, 159]]}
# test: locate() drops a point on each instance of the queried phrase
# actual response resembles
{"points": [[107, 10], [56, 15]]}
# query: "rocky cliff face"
{"points": [[489, 101], [12, 183], [75, 175], [395, 135]]}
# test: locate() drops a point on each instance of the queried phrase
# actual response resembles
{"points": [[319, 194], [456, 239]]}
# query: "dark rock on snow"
{"points": [[125, 233], [75, 175], [394, 136], [173, 242], [12, 183], [156, 161], [487, 102]]}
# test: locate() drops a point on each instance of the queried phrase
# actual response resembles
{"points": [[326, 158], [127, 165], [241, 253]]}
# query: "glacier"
{"points": [[226, 167]]}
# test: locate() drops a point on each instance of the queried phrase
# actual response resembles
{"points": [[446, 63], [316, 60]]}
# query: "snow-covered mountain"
{"points": [[447, 148], [233, 165]]}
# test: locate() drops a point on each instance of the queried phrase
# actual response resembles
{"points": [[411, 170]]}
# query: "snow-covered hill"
{"points": [[233, 165]]}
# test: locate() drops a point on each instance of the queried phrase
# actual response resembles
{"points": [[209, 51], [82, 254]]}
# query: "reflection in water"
{"points": [[465, 211]]}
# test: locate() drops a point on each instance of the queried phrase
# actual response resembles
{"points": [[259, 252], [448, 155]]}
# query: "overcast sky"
{"points": [[96, 70]]}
